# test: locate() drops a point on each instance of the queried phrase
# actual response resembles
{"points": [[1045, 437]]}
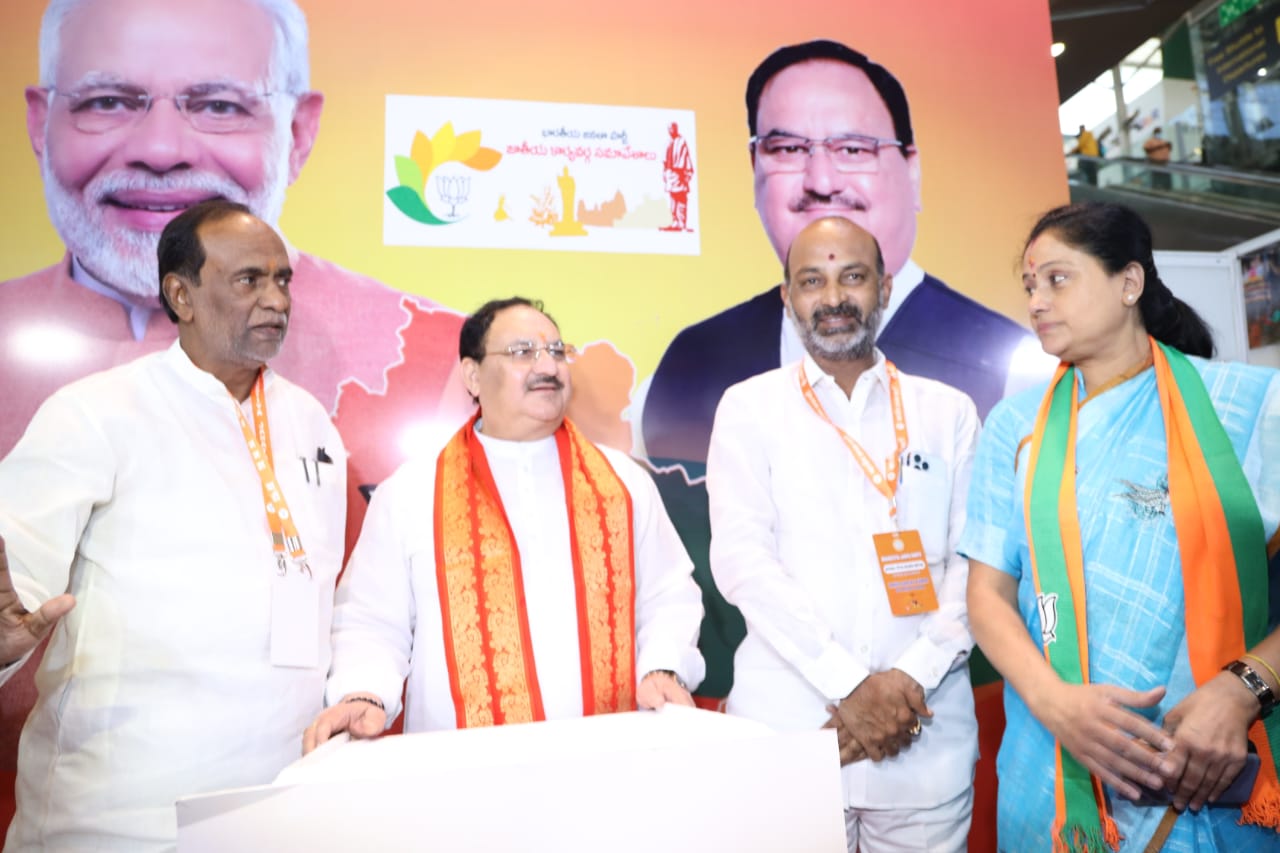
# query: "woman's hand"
{"points": [[1093, 723], [1210, 731]]}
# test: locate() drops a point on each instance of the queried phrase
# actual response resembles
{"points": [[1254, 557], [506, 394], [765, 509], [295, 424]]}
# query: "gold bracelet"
{"points": [[1265, 665]]}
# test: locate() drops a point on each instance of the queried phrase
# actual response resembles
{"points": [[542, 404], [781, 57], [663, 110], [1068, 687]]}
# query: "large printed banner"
{"points": [[591, 155], [978, 77]]}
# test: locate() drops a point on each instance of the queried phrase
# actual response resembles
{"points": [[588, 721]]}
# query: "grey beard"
{"points": [[860, 346], [125, 260]]}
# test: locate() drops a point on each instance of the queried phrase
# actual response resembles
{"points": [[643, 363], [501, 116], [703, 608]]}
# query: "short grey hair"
{"points": [[289, 68]]}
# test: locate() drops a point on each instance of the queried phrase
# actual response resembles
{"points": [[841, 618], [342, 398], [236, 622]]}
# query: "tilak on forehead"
{"points": [[831, 256]]}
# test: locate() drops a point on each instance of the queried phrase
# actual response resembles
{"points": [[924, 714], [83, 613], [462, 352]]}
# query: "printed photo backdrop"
{"points": [[978, 76]]}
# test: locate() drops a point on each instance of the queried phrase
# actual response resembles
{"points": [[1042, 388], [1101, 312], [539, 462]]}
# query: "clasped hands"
{"points": [[1196, 755], [880, 718]]}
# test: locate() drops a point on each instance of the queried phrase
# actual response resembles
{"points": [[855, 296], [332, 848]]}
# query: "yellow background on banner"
{"points": [[978, 76]]}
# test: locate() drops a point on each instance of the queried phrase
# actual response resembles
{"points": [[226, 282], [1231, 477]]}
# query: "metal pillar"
{"points": [[1122, 112]]}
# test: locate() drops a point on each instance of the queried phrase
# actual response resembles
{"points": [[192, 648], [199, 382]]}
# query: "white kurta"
{"points": [[133, 490], [387, 623], [792, 519]]}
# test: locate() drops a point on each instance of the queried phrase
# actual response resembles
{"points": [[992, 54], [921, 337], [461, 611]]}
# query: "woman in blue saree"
{"points": [[1118, 526]]}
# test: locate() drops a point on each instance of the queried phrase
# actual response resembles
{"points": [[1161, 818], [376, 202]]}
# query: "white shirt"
{"points": [[792, 519], [133, 490], [387, 623]]}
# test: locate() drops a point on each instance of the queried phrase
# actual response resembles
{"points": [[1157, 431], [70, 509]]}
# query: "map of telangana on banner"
{"points": [[480, 173]]}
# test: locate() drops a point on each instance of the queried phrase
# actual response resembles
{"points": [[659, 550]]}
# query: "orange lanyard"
{"points": [[886, 483], [284, 533]]}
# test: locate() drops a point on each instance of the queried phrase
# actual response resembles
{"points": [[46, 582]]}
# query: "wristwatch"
{"points": [[1261, 691], [676, 677]]}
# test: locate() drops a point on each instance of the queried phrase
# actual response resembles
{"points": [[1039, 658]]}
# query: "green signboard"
{"points": [[1232, 9]]}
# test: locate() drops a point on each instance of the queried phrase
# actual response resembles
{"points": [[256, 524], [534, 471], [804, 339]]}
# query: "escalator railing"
{"points": [[1250, 193]]}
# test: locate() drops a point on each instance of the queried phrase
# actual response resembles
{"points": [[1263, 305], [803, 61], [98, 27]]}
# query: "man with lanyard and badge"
{"points": [[843, 566], [521, 574], [153, 516]]}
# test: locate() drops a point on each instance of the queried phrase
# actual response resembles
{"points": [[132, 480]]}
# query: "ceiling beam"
{"points": [[1093, 46]]}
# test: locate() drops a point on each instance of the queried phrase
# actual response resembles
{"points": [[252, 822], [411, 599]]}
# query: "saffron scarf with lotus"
{"points": [[488, 649], [1222, 545]]}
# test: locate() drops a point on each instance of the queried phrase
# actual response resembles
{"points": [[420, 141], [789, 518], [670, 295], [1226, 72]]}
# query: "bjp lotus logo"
{"points": [[452, 186]]}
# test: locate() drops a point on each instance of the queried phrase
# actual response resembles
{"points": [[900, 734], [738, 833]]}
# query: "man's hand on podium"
{"points": [[360, 714], [661, 686]]}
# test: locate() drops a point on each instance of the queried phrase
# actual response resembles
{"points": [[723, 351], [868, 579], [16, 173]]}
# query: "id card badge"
{"points": [[295, 620], [906, 573]]}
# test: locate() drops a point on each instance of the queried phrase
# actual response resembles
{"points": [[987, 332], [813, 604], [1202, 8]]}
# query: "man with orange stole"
{"points": [[522, 574]]}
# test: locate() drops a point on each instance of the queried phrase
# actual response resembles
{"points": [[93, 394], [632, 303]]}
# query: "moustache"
{"points": [[196, 183], [811, 200], [274, 319], [844, 309], [540, 382]]}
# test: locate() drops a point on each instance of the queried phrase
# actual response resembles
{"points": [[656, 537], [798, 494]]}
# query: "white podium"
{"points": [[674, 780]]}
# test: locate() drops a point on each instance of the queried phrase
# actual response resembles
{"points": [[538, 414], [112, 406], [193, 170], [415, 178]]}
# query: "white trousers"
{"points": [[941, 829]]}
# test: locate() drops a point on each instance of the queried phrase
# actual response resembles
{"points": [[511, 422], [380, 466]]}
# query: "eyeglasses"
{"points": [[524, 352], [850, 153], [209, 108]]}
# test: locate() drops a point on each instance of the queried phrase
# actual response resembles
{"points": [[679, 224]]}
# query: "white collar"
{"points": [[818, 377], [202, 380], [139, 314], [507, 448]]}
